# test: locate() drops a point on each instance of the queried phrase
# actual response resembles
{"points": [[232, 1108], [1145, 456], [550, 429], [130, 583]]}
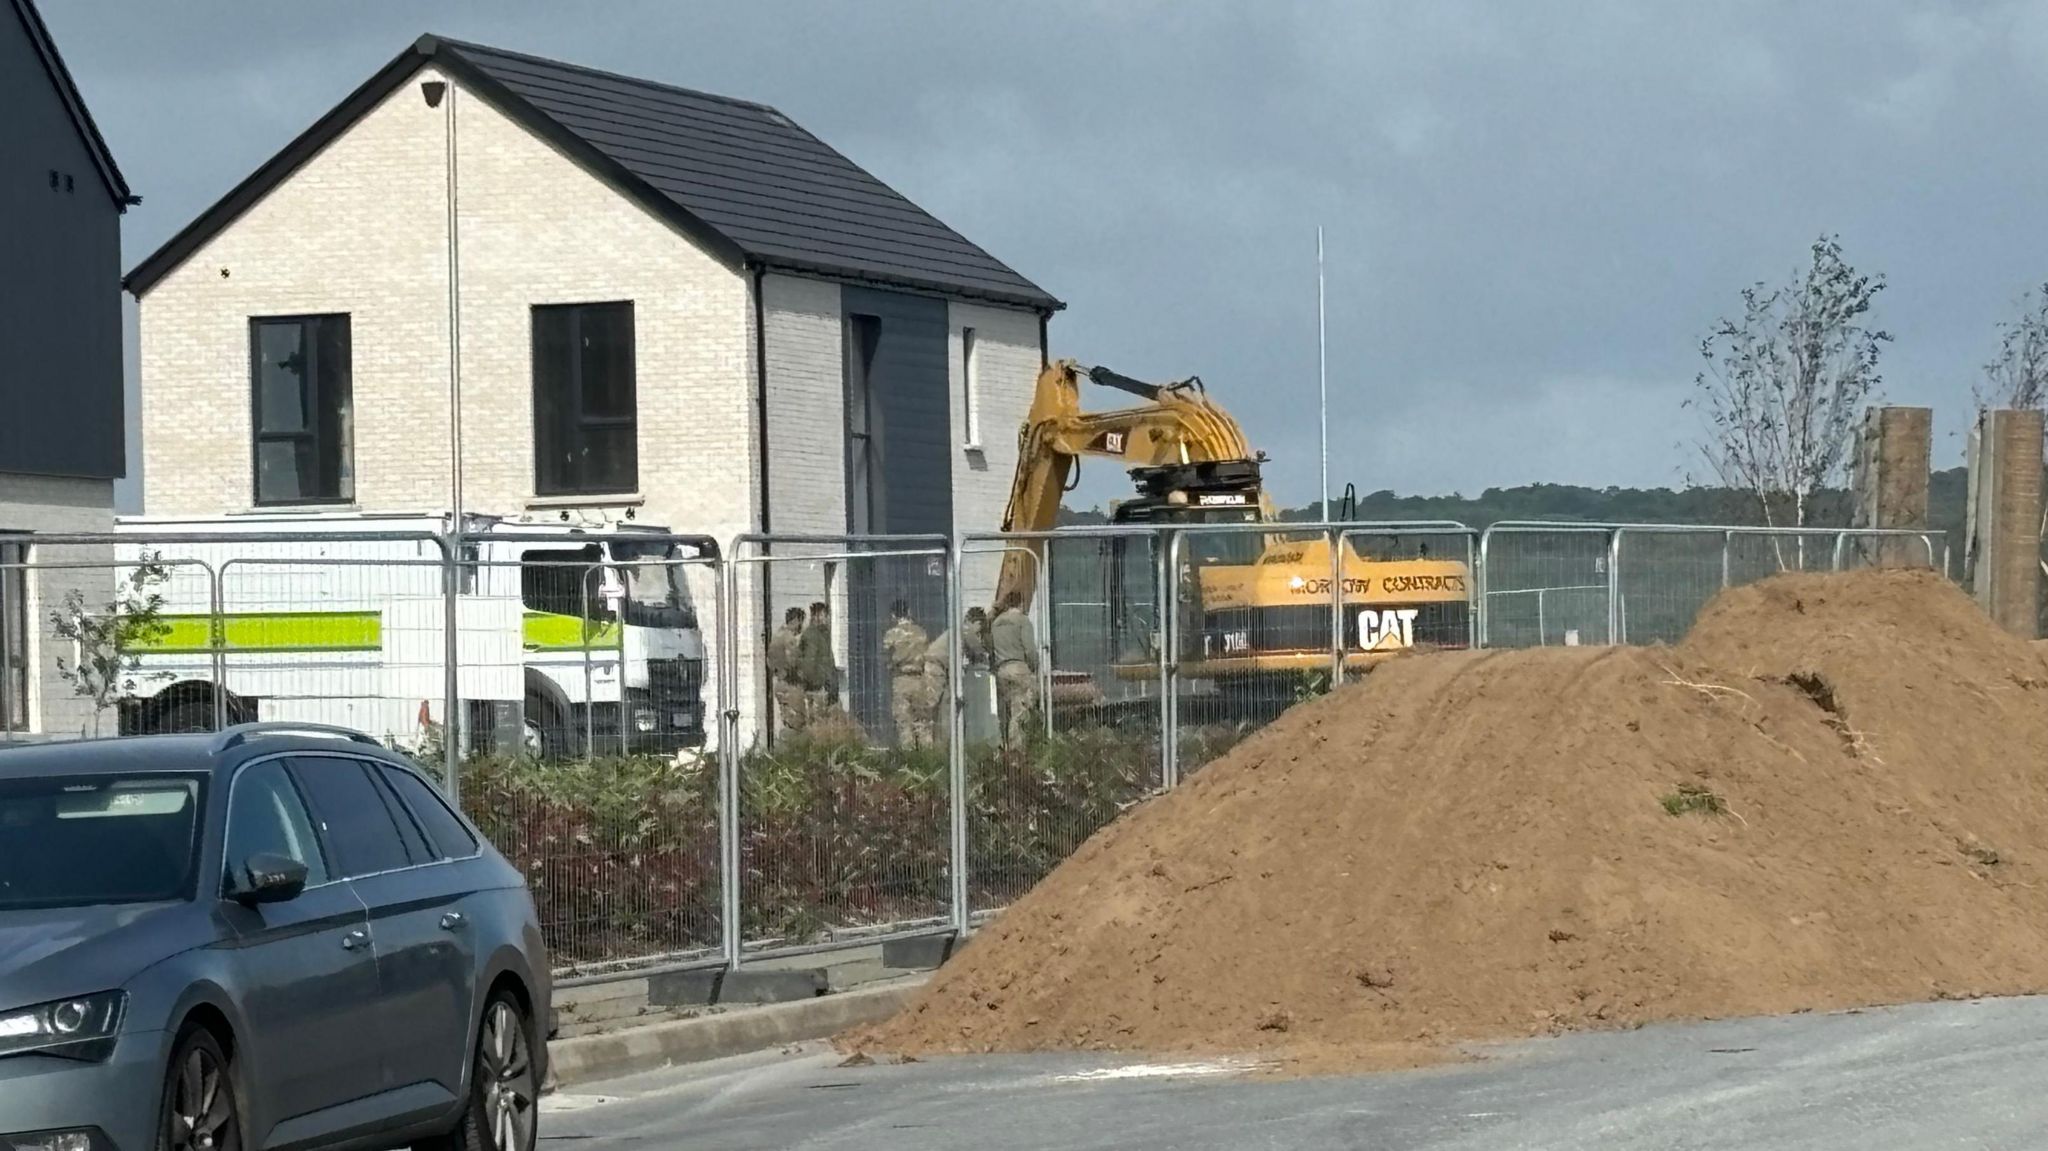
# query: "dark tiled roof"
{"points": [[740, 177]]}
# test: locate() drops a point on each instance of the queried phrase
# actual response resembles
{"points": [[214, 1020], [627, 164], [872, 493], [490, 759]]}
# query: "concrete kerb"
{"points": [[591, 1058]]}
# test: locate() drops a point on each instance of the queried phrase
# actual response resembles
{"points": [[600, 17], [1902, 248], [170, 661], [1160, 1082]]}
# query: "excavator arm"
{"points": [[1177, 424]]}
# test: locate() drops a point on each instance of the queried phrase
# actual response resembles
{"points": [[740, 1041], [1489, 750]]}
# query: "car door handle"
{"points": [[452, 921], [354, 939]]}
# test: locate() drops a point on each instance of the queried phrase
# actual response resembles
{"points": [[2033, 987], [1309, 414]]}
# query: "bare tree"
{"points": [[107, 639], [1785, 385], [2018, 376]]}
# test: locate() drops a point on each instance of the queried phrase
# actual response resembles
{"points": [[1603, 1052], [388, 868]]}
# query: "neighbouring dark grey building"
{"points": [[61, 446]]}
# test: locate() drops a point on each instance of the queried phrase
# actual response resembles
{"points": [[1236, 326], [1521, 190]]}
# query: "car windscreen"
{"points": [[81, 840]]}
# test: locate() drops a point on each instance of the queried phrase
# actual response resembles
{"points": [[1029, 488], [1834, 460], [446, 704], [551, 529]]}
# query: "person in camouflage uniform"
{"points": [[910, 703], [789, 694], [1013, 648], [973, 648], [817, 672]]}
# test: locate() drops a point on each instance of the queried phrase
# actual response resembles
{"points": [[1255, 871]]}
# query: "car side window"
{"points": [[265, 814], [415, 840], [353, 819], [444, 831]]}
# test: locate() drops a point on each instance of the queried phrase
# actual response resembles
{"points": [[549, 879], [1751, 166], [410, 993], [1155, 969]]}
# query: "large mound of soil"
{"points": [[1482, 845]]}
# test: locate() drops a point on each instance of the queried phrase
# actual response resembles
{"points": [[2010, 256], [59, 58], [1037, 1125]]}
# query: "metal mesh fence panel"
{"points": [[87, 642], [1897, 549], [1551, 583], [1405, 587], [337, 634], [1033, 798], [1265, 617], [1236, 664], [1544, 584], [586, 684], [1755, 555], [844, 787], [1666, 577]]}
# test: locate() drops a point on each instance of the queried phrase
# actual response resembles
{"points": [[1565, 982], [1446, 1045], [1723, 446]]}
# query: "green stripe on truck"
{"points": [[269, 631], [548, 631]]}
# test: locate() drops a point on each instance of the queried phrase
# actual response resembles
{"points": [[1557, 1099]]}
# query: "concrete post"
{"points": [[2003, 554], [1892, 461]]}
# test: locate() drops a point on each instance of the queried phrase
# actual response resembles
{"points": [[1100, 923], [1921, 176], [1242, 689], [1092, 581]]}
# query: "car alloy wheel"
{"points": [[505, 1075], [199, 1099]]}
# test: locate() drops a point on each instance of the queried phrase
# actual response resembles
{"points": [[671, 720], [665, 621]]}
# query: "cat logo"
{"points": [[1113, 442], [1385, 630]]}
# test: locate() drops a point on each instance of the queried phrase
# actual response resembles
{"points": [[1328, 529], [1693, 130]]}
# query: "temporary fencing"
{"points": [[683, 787], [1584, 583], [1043, 769], [842, 783]]}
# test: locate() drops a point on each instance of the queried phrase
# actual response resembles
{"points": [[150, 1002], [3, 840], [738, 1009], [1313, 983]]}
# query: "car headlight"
{"points": [[83, 1027]]}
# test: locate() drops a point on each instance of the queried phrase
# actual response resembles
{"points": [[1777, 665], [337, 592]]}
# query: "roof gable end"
{"points": [[67, 92]]}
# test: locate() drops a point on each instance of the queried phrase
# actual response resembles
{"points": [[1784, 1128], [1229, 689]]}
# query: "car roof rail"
{"points": [[241, 732]]}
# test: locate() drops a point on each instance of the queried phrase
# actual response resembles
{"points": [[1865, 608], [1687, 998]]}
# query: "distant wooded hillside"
{"points": [[1946, 495]]}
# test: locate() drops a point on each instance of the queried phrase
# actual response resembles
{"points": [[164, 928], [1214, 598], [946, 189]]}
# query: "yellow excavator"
{"points": [[1254, 606]]}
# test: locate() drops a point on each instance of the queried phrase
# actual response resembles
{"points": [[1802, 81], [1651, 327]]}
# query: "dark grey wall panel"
{"points": [[910, 425], [60, 282], [911, 410]]}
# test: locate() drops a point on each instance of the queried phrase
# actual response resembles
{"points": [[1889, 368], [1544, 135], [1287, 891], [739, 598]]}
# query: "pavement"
{"points": [[1955, 1074]]}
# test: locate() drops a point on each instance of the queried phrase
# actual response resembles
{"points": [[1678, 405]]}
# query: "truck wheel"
{"points": [[543, 731], [193, 715]]}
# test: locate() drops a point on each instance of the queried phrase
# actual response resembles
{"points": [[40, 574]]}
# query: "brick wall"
{"points": [[362, 228], [1007, 354]]}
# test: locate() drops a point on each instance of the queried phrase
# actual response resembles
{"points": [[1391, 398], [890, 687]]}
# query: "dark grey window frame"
{"points": [[552, 477], [14, 654], [970, 388], [314, 395], [863, 469]]}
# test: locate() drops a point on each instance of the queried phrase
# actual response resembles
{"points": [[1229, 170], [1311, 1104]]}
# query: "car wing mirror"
{"points": [[269, 878]]}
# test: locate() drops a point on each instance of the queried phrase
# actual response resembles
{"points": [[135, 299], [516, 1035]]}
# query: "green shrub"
{"points": [[622, 854]]}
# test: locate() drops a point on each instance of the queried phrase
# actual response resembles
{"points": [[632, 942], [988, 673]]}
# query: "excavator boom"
{"points": [[1178, 424]]}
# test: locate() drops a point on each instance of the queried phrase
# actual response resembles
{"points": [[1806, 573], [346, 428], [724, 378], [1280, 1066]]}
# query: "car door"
{"points": [[434, 910], [425, 964], [302, 969]]}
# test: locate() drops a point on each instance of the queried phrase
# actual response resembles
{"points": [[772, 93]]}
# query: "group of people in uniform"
{"points": [[806, 677], [800, 663]]}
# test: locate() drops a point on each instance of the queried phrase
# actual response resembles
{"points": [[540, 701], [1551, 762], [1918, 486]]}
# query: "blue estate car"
{"points": [[274, 937]]}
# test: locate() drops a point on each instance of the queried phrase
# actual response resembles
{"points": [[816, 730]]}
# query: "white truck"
{"points": [[570, 637]]}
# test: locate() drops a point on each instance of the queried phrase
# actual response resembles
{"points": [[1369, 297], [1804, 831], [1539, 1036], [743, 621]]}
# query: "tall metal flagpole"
{"points": [[1322, 374], [454, 334]]}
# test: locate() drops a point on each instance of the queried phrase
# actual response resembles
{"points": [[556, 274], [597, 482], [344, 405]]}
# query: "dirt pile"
{"points": [[1832, 794]]}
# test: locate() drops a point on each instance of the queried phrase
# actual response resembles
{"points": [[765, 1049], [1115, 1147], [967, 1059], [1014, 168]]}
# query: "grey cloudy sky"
{"points": [[1533, 210]]}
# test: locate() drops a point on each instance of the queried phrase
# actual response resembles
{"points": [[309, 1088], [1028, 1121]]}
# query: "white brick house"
{"points": [[658, 293]]}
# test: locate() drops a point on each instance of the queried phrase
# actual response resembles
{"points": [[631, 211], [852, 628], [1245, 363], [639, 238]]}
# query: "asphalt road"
{"points": [[1971, 1074]]}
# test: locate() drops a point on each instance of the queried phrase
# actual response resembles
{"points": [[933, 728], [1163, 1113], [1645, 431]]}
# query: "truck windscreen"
{"points": [[657, 586]]}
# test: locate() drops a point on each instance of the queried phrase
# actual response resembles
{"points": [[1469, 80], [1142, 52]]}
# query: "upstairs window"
{"points": [[970, 390], [302, 409], [863, 452], [585, 414], [13, 635]]}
